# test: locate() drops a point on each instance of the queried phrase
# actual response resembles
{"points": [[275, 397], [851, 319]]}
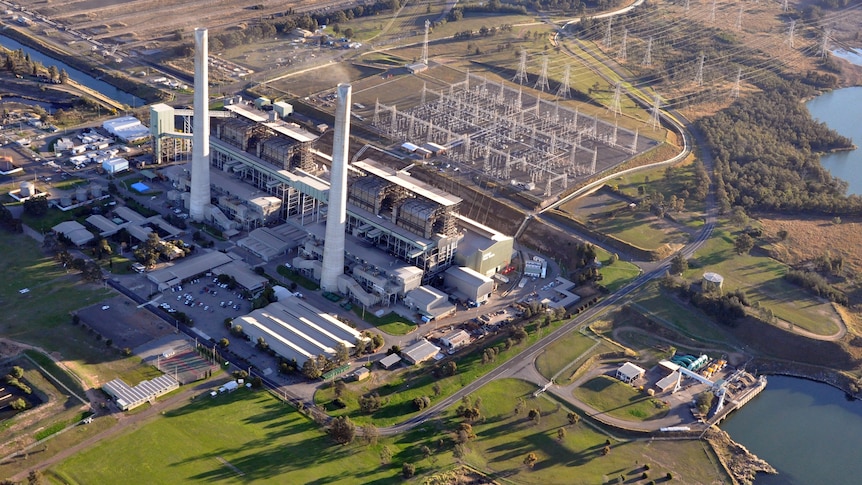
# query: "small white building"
{"points": [[455, 339], [115, 165], [629, 373]]}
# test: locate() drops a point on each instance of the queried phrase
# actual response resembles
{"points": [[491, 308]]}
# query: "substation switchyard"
{"points": [[509, 135]]}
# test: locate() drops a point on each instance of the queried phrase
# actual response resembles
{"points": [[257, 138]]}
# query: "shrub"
{"points": [[408, 470]]}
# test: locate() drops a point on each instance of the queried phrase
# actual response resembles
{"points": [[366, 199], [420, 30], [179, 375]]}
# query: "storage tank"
{"points": [[66, 201], [96, 190], [81, 194], [28, 189]]}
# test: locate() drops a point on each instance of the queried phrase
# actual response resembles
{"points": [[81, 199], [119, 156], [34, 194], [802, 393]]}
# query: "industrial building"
{"points": [[468, 284], [372, 232], [420, 352], [128, 397], [296, 330], [429, 302], [75, 232], [127, 128]]}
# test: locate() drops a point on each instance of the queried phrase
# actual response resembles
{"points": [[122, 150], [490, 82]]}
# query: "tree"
{"points": [[421, 402], [36, 206], [17, 372], [370, 434], [738, 217], [574, 418], [310, 369], [223, 343], [408, 470], [342, 354], [34, 477], [385, 455], [782, 234], [64, 76], [530, 460], [436, 388], [369, 403], [339, 387], [743, 243], [19, 404], [606, 450], [535, 416], [342, 430], [561, 434], [261, 344], [678, 264], [465, 433]]}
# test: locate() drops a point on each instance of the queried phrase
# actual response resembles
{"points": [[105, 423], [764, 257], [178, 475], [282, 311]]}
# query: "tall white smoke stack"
{"points": [[336, 217], [200, 183]]}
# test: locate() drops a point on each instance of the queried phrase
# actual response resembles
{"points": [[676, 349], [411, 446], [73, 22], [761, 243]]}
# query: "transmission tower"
{"points": [[791, 31], [425, 43], [615, 104], [698, 77], [687, 5], [521, 75], [739, 17], [424, 89], [563, 91], [654, 115], [647, 62], [542, 82], [712, 12], [608, 37], [735, 91], [622, 54], [824, 43], [785, 6]]}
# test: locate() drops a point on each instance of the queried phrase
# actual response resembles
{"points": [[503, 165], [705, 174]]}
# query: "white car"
{"points": [[105, 307]]}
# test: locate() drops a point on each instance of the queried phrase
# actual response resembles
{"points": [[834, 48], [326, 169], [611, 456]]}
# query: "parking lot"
{"points": [[204, 300]]}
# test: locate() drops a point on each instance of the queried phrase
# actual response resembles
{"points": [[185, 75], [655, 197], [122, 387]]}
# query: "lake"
{"points": [[840, 110], [76, 75], [807, 430]]}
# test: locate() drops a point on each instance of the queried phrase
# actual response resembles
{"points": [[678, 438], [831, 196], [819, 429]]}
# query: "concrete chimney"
{"points": [[336, 217], [200, 183]]}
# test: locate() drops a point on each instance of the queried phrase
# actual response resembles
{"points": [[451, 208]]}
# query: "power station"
{"points": [[365, 229]]}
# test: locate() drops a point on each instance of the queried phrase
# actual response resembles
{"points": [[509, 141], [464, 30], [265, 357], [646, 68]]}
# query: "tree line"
{"points": [[766, 148]]}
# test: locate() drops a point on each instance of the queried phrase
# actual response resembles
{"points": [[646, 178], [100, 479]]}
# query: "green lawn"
{"points": [[561, 353], [250, 437], [398, 392], [762, 280], [640, 229], [504, 439], [391, 323], [41, 316], [616, 275], [620, 400], [297, 278], [241, 437], [650, 300], [682, 180]]}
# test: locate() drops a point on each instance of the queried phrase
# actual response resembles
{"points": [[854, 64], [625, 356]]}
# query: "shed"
{"points": [[389, 361], [261, 102], [115, 165], [420, 352], [474, 285], [361, 374], [282, 109], [668, 382], [75, 231], [629, 373]]}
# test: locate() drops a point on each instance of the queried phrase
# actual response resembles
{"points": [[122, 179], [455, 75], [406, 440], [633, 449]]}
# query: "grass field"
{"points": [[616, 275], [41, 316], [562, 352], [250, 437], [391, 323], [762, 279], [240, 437], [620, 400], [399, 390], [504, 439]]}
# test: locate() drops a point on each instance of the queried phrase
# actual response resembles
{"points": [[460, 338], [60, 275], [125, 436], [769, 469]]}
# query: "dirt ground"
{"points": [[138, 326]]}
